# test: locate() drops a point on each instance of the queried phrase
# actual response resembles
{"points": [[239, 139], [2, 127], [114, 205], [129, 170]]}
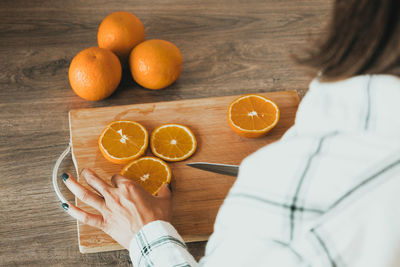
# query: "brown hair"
{"points": [[363, 37]]}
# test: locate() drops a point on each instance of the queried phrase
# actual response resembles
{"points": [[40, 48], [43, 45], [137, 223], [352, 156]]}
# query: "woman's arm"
{"points": [[159, 244]]}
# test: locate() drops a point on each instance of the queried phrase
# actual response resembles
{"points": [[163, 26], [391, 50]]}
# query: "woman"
{"points": [[326, 194]]}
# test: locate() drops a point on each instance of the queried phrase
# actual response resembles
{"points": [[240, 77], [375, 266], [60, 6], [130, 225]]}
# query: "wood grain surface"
{"points": [[228, 46], [197, 195]]}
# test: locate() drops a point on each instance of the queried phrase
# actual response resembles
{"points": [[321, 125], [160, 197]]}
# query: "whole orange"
{"points": [[120, 32], [94, 73], [155, 64]]}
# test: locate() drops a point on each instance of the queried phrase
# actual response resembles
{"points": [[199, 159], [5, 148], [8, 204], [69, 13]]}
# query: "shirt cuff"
{"points": [[159, 244]]}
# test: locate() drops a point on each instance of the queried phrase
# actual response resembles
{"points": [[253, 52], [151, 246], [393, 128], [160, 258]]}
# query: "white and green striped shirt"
{"points": [[326, 194]]}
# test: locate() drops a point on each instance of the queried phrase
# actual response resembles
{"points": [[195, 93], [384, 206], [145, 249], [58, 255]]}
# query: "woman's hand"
{"points": [[125, 207]]}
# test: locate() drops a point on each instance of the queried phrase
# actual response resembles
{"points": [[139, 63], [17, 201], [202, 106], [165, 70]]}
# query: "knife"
{"points": [[231, 170]]}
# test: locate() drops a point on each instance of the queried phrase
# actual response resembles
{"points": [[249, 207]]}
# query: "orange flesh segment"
{"points": [[124, 139], [173, 142], [163, 142], [253, 113], [149, 172]]}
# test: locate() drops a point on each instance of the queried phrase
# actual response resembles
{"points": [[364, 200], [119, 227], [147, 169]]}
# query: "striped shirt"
{"points": [[326, 194]]}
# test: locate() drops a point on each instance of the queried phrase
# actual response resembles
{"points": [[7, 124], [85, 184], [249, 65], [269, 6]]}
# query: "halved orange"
{"points": [[123, 141], [252, 115], [173, 142], [149, 172]]}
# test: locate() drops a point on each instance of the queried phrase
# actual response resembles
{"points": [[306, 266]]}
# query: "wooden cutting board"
{"points": [[197, 195]]}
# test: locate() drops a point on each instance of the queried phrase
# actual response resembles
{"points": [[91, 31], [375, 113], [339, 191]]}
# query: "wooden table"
{"points": [[229, 47]]}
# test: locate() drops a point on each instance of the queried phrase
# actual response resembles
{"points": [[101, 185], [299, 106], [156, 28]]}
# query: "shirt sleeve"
{"points": [[159, 244]]}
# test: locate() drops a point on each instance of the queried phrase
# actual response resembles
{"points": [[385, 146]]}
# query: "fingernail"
{"points": [[65, 206], [65, 176], [170, 187]]}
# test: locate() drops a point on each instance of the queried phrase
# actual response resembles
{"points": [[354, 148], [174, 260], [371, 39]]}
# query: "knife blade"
{"points": [[231, 170]]}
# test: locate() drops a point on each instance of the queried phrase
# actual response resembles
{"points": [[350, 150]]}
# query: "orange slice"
{"points": [[253, 116], [149, 172], [123, 141], [173, 142]]}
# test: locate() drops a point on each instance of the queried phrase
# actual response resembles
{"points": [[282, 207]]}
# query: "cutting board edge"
{"points": [[72, 149], [70, 133], [106, 248], [173, 101], [116, 246]]}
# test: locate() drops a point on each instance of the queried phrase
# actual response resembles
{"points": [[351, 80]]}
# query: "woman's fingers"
{"points": [[165, 191], [95, 181], [83, 193], [84, 217], [117, 179]]}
